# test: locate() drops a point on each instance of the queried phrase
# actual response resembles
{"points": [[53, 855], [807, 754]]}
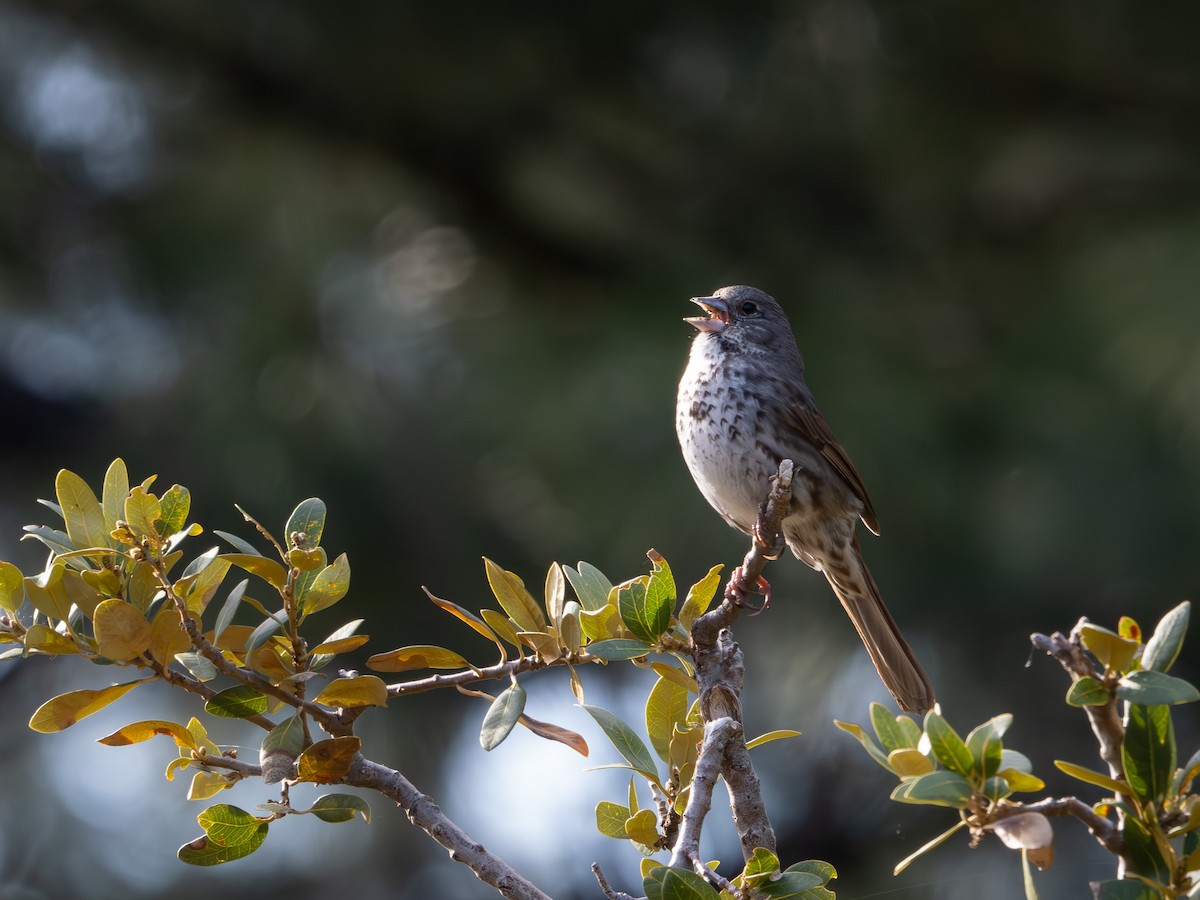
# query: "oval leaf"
{"points": [[230, 833], [514, 599], [1150, 687], [940, 788], [362, 690], [501, 716], [328, 761], [331, 585], [418, 656], [308, 518], [618, 649], [238, 702], [1164, 645], [340, 808], [628, 744], [122, 632], [65, 710]]}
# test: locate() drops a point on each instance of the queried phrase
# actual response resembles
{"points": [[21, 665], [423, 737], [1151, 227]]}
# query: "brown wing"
{"points": [[811, 425]]}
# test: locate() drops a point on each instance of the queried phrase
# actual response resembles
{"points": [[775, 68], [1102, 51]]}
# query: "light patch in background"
{"points": [[95, 340], [383, 312], [73, 106], [533, 802]]}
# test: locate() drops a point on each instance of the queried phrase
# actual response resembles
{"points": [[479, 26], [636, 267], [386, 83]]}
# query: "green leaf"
{"points": [[660, 590], [815, 867], [618, 648], [684, 884], [265, 629], [502, 716], [1088, 691], [761, 864], [56, 540], [666, 706], [590, 585], [947, 746], [176, 503], [1150, 687], [985, 745], [1163, 647], [340, 808], [514, 599], [81, 511], [1125, 889], [939, 788], [610, 819], [240, 545], [116, 489], [330, 586], [237, 702], [628, 744], [229, 833], [790, 884], [229, 609], [1145, 859], [887, 728], [308, 517], [63, 711], [1148, 751], [647, 617]]}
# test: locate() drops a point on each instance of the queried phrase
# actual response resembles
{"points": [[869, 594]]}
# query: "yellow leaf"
{"points": [[1092, 777], [167, 636], [326, 762], [81, 511], [122, 632], [63, 711], [500, 623], [463, 615], [344, 645], [142, 510], [363, 690], [514, 599], [418, 656], [908, 761], [544, 643], [45, 639], [777, 735], [207, 784], [143, 731]]}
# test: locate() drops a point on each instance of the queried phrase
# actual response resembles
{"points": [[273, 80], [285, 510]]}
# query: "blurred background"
{"points": [[428, 262]]}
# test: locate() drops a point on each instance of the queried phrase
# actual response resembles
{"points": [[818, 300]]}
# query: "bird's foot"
{"points": [[737, 593], [774, 549]]}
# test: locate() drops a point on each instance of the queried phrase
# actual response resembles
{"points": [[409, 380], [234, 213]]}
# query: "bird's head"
{"points": [[743, 318]]}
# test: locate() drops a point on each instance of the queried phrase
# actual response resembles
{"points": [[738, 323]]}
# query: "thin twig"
{"points": [[608, 891]]}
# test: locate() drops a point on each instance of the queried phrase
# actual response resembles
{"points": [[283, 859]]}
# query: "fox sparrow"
{"points": [[743, 407]]}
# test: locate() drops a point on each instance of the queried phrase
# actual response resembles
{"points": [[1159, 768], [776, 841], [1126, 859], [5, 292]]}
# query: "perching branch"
{"points": [[719, 672], [1106, 719], [1103, 830]]}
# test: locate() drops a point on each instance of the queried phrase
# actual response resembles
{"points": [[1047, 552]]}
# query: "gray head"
{"points": [[743, 319]]}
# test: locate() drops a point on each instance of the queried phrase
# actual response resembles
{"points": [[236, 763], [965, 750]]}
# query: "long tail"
{"points": [[894, 659]]}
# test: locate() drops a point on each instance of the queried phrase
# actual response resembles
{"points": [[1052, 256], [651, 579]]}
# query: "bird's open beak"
{"points": [[717, 318]]}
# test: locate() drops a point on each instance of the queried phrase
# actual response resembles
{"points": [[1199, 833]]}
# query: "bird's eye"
{"points": [[749, 308]]}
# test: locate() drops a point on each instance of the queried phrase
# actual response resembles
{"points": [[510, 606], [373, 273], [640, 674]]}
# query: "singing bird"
{"points": [[743, 406]]}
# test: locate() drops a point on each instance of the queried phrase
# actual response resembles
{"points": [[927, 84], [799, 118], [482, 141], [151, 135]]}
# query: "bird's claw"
{"points": [[773, 548], [738, 593]]}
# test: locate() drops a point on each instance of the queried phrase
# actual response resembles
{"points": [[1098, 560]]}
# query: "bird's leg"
{"points": [[738, 593], [773, 548]]}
